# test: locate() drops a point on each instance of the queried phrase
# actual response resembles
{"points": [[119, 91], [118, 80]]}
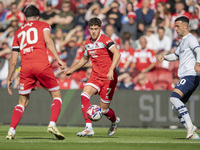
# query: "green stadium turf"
{"points": [[36, 138]]}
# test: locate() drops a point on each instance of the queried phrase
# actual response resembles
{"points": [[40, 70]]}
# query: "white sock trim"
{"points": [[12, 130], [19, 105], [105, 111], [52, 123], [86, 95], [58, 98]]}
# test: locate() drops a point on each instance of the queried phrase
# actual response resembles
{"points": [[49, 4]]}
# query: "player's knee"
{"points": [[55, 94]]}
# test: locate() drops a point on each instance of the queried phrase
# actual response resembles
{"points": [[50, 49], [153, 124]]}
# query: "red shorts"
{"points": [[105, 88], [31, 73]]}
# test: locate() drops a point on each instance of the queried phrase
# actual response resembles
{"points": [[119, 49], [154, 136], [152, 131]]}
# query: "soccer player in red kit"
{"points": [[105, 57], [31, 41]]}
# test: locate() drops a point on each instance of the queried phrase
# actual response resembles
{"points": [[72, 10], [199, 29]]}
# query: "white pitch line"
{"points": [[122, 142]]}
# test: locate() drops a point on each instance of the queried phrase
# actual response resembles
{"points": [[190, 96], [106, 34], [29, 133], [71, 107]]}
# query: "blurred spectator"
{"points": [[112, 20], [58, 39], [162, 12], [131, 26], [126, 52], [162, 44], [91, 2], [40, 4], [71, 50], [179, 6], [160, 22], [8, 36], [129, 8], [80, 17], [95, 11], [64, 19], [14, 13], [113, 8], [150, 37], [143, 83], [145, 14], [110, 32], [125, 81], [77, 33], [195, 16], [6, 52], [48, 14], [127, 36], [143, 60], [3, 12], [140, 29]]}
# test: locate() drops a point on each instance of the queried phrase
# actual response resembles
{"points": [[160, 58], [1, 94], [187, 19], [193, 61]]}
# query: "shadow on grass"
{"points": [[38, 138], [103, 137], [179, 139]]}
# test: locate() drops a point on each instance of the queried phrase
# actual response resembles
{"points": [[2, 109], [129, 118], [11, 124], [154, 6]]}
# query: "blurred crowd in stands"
{"points": [[141, 29]]}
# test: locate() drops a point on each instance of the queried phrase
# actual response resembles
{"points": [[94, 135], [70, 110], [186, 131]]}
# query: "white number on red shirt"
{"points": [[26, 35]]}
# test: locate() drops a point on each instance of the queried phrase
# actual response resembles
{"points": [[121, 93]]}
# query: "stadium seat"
{"points": [[160, 85], [152, 76], [164, 75]]}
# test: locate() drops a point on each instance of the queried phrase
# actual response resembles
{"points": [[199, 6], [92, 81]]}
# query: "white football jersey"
{"points": [[187, 55]]}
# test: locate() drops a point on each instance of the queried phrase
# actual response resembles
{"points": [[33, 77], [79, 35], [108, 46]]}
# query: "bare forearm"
{"points": [[115, 61], [79, 64], [11, 69]]}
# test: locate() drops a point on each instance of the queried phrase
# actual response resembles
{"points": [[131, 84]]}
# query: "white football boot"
{"points": [[53, 130], [10, 136], [86, 132], [195, 136], [113, 127], [191, 132]]}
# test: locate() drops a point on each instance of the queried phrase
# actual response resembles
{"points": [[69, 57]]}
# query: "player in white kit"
{"points": [[188, 53]]}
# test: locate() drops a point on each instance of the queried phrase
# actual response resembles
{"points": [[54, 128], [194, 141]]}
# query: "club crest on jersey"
{"points": [[21, 86]]}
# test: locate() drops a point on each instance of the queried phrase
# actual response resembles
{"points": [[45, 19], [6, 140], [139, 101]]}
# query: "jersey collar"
{"points": [[96, 39], [186, 36]]}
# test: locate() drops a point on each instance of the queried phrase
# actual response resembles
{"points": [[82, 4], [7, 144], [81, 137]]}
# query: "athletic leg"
{"points": [[17, 115], [87, 93], [55, 111]]}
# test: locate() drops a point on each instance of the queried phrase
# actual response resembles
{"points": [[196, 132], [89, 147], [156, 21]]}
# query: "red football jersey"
{"points": [[100, 55], [29, 39], [124, 56], [143, 58], [20, 16]]}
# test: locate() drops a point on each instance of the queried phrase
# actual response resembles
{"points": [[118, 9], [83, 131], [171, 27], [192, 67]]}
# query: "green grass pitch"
{"points": [[36, 138]]}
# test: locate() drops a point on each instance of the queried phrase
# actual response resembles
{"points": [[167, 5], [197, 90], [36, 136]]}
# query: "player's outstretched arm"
{"points": [[115, 61], [12, 64], [169, 57], [50, 44], [78, 65], [160, 58]]}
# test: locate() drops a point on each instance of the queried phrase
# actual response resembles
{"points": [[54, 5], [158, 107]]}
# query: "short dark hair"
{"points": [[183, 19], [161, 28], [94, 21], [31, 11]]}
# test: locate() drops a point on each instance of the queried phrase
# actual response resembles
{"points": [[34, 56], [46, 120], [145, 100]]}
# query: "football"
{"points": [[94, 113]]}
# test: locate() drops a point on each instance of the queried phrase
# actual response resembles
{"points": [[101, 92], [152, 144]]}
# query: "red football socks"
{"points": [[17, 115], [55, 109], [110, 114], [85, 104]]}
